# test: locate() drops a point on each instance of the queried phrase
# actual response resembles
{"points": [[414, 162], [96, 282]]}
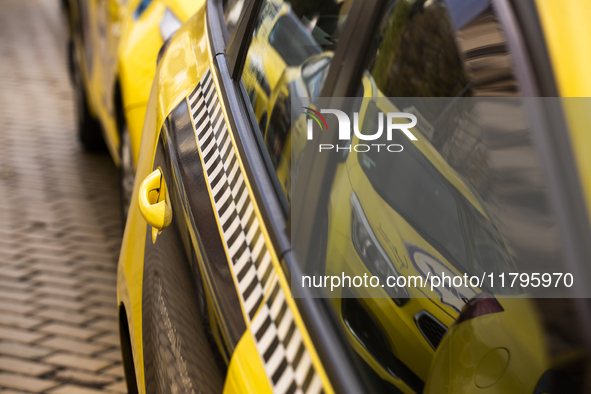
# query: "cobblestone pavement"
{"points": [[60, 227]]}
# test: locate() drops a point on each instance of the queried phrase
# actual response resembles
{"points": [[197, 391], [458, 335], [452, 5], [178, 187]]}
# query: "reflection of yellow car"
{"points": [[113, 48], [270, 54], [381, 232], [402, 337], [295, 83]]}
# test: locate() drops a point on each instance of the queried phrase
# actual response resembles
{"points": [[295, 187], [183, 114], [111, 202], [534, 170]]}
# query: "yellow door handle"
{"points": [[154, 204]]}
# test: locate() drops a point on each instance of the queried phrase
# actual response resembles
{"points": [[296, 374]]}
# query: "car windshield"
{"points": [[314, 75], [487, 250], [291, 41], [428, 204], [437, 210]]}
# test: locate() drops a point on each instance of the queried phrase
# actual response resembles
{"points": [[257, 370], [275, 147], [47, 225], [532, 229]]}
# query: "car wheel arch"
{"points": [[127, 351]]}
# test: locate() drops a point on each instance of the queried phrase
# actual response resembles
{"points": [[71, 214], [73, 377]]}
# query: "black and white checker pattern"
{"points": [[279, 342], [251, 260]]}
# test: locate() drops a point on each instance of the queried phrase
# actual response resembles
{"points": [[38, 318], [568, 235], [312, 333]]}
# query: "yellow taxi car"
{"points": [[112, 51], [216, 248]]}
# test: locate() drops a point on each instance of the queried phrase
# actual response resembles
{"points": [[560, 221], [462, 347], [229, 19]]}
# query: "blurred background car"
{"points": [[112, 53]]}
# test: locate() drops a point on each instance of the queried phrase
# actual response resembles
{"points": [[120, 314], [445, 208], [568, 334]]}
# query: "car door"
{"points": [[96, 22], [196, 302], [109, 17], [216, 301]]}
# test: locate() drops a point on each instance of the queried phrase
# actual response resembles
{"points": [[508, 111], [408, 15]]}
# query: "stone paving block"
{"points": [[45, 261], [96, 274], [103, 324], [65, 292], [8, 258], [12, 364], [72, 389], [110, 339], [16, 307], [60, 303], [100, 298], [7, 284], [13, 334], [70, 331], [24, 351], [54, 269], [62, 316], [73, 346], [100, 287], [45, 286], [84, 378], [105, 311], [62, 280], [18, 295], [19, 320], [119, 387], [113, 355], [78, 362], [28, 383], [116, 370], [14, 273]]}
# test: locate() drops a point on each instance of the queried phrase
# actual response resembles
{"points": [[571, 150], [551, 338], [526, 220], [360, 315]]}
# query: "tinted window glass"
{"points": [[289, 55], [232, 10], [468, 196], [293, 44], [420, 52]]}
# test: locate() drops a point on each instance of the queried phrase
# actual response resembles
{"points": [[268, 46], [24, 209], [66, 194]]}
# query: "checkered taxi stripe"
{"points": [[279, 342]]}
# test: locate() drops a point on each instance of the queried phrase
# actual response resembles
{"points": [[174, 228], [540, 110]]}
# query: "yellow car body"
{"points": [[176, 77]]}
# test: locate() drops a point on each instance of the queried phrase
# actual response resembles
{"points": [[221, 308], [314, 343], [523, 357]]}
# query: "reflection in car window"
{"points": [[289, 55], [420, 53], [417, 191], [467, 197], [293, 44], [314, 74], [232, 10], [436, 209]]}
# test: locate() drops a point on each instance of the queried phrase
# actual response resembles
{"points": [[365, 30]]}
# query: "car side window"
{"points": [[289, 54], [468, 196], [436, 64]]}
